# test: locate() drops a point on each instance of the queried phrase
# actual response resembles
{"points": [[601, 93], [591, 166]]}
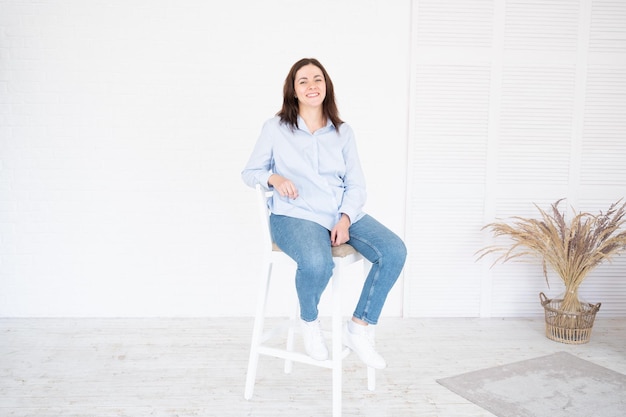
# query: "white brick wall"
{"points": [[124, 126]]}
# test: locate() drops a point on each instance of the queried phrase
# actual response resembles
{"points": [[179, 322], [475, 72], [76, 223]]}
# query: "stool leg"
{"points": [[371, 379], [337, 329], [257, 332], [293, 322], [371, 372]]}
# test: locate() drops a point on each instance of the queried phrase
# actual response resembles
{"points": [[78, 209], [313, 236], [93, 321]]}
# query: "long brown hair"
{"points": [[289, 112]]}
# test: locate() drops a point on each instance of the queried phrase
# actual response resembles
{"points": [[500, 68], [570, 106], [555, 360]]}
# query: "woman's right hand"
{"points": [[285, 187]]}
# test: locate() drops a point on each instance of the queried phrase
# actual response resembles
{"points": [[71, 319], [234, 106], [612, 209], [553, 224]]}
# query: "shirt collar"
{"points": [[302, 125]]}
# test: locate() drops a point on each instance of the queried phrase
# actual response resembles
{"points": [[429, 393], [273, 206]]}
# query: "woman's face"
{"points": [[310, 86]]}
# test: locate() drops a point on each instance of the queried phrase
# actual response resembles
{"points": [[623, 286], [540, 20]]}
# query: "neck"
{"points": [[313, 117]]}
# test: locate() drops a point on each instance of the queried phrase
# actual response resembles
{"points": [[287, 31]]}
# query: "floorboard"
{"points": [[196, 367]]}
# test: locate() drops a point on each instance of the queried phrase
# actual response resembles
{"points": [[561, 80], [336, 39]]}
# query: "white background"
{"points": [[124, 126]]}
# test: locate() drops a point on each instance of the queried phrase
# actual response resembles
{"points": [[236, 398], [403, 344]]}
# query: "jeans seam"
{"points": [[374, 278]]}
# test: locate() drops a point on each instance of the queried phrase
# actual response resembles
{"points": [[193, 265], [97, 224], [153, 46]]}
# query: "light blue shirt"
{"points": [[324, 166]]}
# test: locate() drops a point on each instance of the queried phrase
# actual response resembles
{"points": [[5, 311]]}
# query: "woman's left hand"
{"points": [[340, 233]]}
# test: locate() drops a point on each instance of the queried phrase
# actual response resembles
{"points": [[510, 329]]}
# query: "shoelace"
{"points": [[368, 336], [315, 329], [370, 339], [318, 332]]}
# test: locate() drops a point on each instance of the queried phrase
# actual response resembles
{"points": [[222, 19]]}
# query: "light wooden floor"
{"points": [[196, 367]]}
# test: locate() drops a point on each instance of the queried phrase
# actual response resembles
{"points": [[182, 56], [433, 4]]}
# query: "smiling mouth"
{"points": [[313, 94]]}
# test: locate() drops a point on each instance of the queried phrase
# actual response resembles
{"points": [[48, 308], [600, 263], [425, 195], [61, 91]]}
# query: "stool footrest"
{"points": [[299, 357]]}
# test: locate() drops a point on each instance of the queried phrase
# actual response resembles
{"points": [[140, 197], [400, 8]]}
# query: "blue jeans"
{"points": [[308, 243]]}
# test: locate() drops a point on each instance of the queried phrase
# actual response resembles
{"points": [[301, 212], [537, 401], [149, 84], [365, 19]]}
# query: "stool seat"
{"points": [[340, 251], [343, 257]]}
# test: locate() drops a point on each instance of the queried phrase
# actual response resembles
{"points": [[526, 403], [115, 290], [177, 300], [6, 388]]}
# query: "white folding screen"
{"points": [[512, 103]]}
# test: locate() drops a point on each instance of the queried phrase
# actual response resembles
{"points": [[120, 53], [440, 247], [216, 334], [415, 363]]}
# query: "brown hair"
{"points": [[289, 112]]}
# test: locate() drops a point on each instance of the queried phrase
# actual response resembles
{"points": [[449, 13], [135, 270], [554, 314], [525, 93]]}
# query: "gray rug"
{"points": [[557, 385]]}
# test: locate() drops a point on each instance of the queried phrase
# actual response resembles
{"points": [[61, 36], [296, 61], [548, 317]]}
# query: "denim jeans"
{"points": [[308, 243]]}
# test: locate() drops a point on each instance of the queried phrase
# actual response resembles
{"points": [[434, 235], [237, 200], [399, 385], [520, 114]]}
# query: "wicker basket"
{"points": [[558, 327]]}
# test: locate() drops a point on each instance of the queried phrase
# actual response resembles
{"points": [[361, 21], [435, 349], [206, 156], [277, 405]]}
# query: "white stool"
{"points": [[343, 256]]}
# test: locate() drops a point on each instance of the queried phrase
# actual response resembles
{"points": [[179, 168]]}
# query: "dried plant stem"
{"points": [[571, 303], [571, 307]]}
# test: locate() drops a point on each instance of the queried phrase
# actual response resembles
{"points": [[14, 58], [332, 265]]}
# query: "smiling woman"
{"points": [[304, 73], [310, 89], [308, 156]]}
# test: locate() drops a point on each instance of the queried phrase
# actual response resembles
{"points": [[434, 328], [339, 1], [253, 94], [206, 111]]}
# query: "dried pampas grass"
{"points": [[571, 249]]}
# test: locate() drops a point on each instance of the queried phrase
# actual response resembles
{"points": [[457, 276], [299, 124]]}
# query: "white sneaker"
{"points": [[359, 339], [314, 344]]}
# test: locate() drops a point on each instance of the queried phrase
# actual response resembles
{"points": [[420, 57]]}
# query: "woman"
{"points": [[308, 156]]}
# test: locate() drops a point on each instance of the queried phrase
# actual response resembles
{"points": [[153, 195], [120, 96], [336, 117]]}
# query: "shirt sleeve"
{"points": [[260, 164], [354, 194]]}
